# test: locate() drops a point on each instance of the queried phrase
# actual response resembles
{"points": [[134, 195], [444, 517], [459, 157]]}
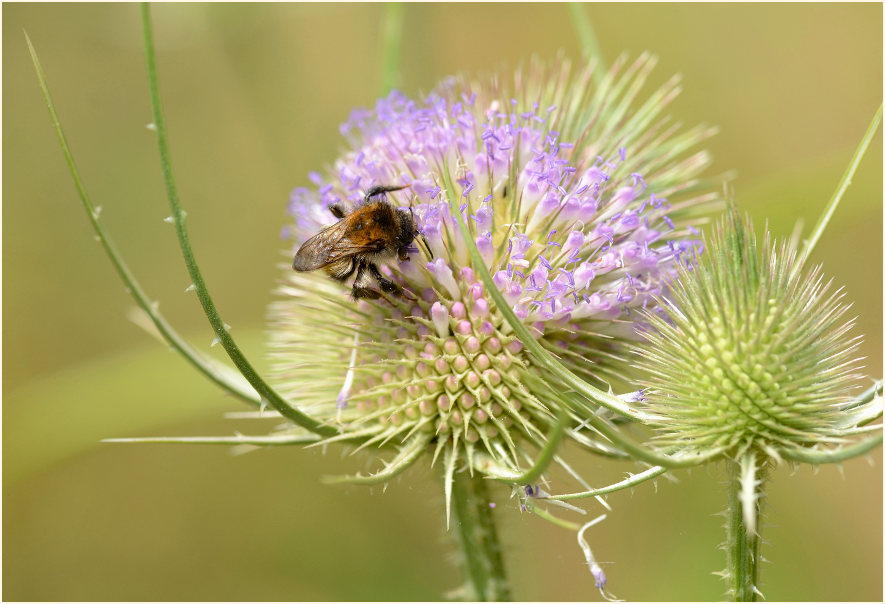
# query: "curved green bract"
{"points": [[399, 464], [832, 456], [565, 377], [543, 358], [548, 452], [843, 185], [634, 480], [203, 364], [239, 360], [640, 453]]}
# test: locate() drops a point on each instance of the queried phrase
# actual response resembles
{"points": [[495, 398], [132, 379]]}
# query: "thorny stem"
{"points": [[742, 528], [477, 538], [215, 372], [178, 217]]}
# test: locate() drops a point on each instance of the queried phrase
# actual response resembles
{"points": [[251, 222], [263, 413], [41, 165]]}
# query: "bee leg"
{"points": [[364, 293], [340, 270], [387, 286], [362, 282], [337, 210], [427, 245]]}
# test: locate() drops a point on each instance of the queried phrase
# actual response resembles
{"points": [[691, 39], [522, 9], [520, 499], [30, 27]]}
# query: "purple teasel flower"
{"points": [[579, 204]]}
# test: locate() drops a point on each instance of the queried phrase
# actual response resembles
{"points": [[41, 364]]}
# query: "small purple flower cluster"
{"points": [[565, 236]]}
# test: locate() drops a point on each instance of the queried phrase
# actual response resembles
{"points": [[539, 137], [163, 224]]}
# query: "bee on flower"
{"points": [[580, 202]]}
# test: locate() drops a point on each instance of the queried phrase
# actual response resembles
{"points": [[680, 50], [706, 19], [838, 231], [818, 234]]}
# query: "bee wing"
{"points": [[315, 252], [330, 245]]}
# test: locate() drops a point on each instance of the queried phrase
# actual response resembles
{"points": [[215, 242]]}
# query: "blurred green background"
{"points": [[254, 95]]}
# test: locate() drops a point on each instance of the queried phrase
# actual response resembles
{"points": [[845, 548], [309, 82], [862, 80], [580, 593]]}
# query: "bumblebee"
{"points": [[373, 232]]}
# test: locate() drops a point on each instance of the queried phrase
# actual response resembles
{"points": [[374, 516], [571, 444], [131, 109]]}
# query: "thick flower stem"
{"points": [[475, 533], [742, 527]]}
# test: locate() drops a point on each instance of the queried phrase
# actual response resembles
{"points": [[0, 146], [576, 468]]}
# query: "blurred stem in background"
{"points": [[391, 37], [589, 41]]}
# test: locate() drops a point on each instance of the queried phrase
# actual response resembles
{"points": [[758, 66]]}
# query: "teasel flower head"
{"points": [[581, 203], [753, 354]]}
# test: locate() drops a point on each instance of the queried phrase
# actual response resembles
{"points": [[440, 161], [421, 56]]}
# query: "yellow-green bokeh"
{"points": [[254, 95]]}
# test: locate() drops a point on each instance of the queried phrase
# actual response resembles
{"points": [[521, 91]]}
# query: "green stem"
{"points": [[843, 185], [478, 540], [742, 528], [178, 216]]}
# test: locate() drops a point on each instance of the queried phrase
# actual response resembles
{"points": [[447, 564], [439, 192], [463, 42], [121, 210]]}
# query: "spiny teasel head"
{"points": [[581, 203], [753, 355]]}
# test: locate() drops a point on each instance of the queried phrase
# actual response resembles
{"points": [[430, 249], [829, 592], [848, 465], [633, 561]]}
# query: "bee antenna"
{"points": [[415, 226], [381, 189], [423, 238]]}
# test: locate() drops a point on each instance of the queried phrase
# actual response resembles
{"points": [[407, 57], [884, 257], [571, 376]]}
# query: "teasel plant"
{"points": [[559, 227], [754, 359]]}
